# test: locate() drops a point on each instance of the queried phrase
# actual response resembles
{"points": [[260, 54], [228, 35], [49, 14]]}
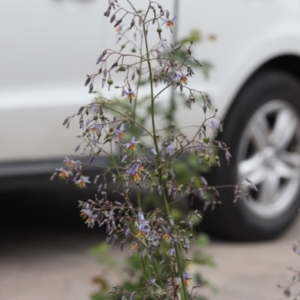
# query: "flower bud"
{"points": [[132, 24], [118, 23], [122, 68], [112, 18], [164, 178], [91, 87], [167, 13], [110, 81], [87, 81], [65, 121], [206, 139]]}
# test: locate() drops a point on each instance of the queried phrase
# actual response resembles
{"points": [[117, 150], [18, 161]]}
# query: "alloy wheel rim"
{"points": [[269, 156]]}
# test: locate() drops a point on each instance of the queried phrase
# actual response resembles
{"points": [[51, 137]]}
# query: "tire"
{"points": [[262, 129]]}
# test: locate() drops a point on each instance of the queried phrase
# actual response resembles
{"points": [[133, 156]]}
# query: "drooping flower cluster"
{"points": [[72, 169], [145, 235]]}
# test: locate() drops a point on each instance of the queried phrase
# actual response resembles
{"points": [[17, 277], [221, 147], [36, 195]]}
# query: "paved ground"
{"points": [[247, 271], [43, 264]]}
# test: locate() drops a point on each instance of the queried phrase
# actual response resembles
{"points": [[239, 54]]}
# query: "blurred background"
{"points": [[47, 48]]}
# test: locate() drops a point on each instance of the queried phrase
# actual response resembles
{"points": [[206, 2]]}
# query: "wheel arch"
{"points": [[289, 63]]}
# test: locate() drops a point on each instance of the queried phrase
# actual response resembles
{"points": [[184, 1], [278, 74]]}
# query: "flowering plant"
{"points": [[140, 158]]}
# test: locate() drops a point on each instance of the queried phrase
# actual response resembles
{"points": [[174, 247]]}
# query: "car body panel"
{"points": [[49, 46], [249, 33]]}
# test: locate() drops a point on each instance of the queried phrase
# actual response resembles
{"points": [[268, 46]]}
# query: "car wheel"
{"points": [[262, 129]]}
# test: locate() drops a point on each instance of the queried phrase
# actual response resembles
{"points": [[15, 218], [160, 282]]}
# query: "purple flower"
{"points": [[180, 77], [96, 128], [70, 162], [169, 22], [171, 252], [144, 228], [135, 169], [119, 133], [63, 174], [132, 144], [216, 124], [88, 216], [130, 94], [119, 29], [168, 236], [82, 181], [127, 232], [187, 277], [143, 225], [168, 149]]}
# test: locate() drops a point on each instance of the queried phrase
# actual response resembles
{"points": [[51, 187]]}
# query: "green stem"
{"points": [[177, 250], [157, 272], [151, 94], [165, 201], [145, 272]]}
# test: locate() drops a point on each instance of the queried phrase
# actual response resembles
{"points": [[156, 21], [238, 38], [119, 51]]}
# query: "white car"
{"points": [[47, 47]]}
